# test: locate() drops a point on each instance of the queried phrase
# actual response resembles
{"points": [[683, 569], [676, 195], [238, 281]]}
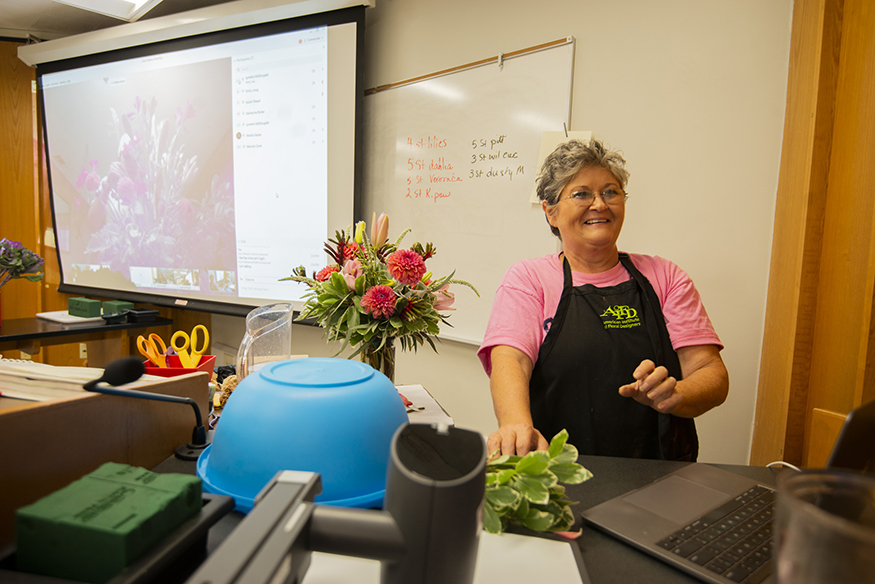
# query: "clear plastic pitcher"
{"points": [[268, 338]]}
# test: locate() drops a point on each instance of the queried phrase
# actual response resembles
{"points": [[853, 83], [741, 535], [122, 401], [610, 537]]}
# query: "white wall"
{"points": [[693, 92]]}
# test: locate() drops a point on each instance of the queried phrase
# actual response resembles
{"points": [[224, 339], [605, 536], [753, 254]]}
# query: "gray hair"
{"points": [[569, 158]]}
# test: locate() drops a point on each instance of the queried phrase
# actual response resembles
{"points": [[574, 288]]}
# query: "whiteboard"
{"points": [[454, 157]]}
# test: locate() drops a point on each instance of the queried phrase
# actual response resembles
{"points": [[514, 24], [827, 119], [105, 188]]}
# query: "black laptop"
{"points": [[712, 523]]}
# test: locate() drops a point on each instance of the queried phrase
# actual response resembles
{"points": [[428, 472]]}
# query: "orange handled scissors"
{"points": [[149, 349], [190, 360]]}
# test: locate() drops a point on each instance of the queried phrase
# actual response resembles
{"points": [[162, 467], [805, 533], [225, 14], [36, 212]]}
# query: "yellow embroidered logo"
{"points": [[617, 316], [620, 312]]}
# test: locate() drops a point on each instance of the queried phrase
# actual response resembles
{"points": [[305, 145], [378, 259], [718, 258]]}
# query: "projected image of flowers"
{"points": [[142, 209]]}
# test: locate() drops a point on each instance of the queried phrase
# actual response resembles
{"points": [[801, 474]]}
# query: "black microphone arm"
{"points": [[129, 369]]}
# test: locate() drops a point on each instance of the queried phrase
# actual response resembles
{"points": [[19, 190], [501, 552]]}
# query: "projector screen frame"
{"points": [[351, 14]]}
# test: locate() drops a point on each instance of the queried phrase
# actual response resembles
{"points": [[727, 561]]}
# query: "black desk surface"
{"points": [[607, 560], [26, 329]]}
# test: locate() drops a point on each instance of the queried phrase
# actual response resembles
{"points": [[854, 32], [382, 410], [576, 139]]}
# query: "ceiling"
{"points": [[47, 19]]}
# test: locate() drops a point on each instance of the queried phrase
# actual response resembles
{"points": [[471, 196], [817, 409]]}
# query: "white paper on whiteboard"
{"points": [[549, 142]]}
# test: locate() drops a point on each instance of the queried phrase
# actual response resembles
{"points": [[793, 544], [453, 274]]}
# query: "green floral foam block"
{"points": [[96, 526], [110, 306], [85, 307]]}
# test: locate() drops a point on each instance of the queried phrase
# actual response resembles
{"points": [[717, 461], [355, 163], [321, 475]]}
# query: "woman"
{"points": [[614, 347]]}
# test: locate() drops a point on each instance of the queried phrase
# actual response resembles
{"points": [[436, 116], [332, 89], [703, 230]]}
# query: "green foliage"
{"points": [[16, 261], [526, 491], [336, 305]]}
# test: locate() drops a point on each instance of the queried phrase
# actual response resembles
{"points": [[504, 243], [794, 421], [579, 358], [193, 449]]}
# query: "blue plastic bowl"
{"points": [[331, 416]]}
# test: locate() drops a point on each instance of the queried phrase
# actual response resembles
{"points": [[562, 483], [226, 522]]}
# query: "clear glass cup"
{"points": [[825, 528]]}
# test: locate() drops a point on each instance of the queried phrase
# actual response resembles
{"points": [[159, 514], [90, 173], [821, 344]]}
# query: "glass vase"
{"points": [[382, 359]]}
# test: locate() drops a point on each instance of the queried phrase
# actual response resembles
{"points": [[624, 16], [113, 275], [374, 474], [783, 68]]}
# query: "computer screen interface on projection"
{"points": [[197, 173]]}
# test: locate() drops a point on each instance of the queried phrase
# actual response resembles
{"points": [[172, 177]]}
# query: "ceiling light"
{"points": [[129, 10]]}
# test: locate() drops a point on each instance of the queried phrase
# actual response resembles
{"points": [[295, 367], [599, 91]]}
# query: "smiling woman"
{"points": [[614, 347], [591, 219]]}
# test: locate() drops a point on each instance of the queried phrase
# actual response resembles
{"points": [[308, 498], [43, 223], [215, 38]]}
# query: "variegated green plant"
{"points": [[526, 490]]}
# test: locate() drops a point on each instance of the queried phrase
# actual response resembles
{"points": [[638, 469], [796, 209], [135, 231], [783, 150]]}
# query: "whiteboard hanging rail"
{"points": [[500, 58]]}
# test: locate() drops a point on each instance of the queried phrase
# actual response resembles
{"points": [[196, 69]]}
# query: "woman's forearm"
{"points": [[706, 381], [509, 384]]}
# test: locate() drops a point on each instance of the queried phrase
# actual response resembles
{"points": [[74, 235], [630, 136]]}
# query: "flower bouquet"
{"points": [[375, 292], [16, 261]]}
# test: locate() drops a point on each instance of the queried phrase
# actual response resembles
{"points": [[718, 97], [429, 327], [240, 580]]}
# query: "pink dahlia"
{"points": [[379, 301], [325, 273], [406, 266]]}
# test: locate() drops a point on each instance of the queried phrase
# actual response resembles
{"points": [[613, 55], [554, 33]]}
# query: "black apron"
{"points": [[597, 338]]}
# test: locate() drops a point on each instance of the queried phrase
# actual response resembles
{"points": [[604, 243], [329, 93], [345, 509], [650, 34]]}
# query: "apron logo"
{"points": [[620, 317]]}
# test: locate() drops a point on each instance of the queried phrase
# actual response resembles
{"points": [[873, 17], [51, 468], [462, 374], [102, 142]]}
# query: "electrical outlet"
{"points": [[83, 351]]}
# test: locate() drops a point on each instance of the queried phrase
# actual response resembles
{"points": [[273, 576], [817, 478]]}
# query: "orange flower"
{"points": [[406, 266], [325, 273]]}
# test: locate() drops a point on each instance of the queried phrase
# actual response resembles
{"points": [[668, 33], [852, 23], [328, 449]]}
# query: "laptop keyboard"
{"points": [[734, 540]]}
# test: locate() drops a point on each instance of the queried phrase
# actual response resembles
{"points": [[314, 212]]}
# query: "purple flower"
{"points": [[16, 261], [126, 189], [184, 113], [92, 181], [80, 180], [84, 175]]}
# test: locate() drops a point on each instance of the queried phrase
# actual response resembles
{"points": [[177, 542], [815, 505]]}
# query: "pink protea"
{"points": [[406, 266], [325, 273], [379, 301]]}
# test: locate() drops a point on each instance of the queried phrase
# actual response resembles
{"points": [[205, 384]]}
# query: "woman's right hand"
{"points": [[515, 439]]}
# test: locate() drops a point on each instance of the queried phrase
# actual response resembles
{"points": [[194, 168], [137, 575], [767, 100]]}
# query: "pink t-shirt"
{"points": [[529, 295]]}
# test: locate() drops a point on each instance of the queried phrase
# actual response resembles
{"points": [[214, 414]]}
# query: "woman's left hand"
{"points": [[653, 387]]}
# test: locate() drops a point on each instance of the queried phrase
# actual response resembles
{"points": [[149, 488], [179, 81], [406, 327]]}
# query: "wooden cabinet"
{"points": [[818, 357]]}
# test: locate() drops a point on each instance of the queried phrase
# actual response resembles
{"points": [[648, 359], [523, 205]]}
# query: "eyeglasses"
{"points": [[586, 198]]}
